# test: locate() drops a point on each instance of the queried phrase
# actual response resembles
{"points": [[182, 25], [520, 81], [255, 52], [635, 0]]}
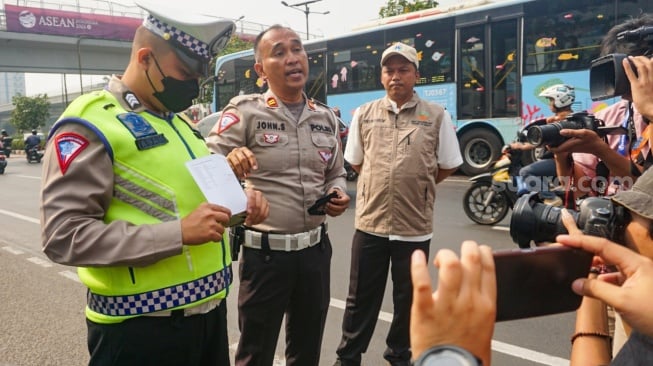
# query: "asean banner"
{"points": [[66, 23]]}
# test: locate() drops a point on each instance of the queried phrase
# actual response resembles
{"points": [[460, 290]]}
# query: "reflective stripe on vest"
{"points": [[162, 299], [142, 198]]}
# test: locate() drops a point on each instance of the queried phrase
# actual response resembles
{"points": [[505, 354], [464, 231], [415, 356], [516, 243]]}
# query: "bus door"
{"points": [[315, 87], [488, 70]]}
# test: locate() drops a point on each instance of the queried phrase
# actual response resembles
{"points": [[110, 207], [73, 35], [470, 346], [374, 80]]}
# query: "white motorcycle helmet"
{"points": [[563, 95]]}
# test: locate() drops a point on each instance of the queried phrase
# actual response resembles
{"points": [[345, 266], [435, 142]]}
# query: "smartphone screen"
{"points": [[537, 281]]}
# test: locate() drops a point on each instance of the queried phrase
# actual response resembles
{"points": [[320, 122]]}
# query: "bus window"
{"points": [[472, 73], [505, 70], [353, 63], [560, 37], [434, 45], [237, 77], [315, 87]]}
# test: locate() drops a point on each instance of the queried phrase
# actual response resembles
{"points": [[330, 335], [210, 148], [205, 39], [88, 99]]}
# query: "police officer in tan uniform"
{"points": [[402, 146], [285, 145], [119, 203]]}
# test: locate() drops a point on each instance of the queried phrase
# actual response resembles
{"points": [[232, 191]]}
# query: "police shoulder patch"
{"points": [[326, 155], [227, 120], [68, 146]]}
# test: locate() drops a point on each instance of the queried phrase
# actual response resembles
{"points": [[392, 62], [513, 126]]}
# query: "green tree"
{"points": [[235, 44], [397, 7], [29, 112]]}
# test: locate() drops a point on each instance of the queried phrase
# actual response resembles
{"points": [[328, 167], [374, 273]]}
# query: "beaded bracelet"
{"points": [[590, 334]]}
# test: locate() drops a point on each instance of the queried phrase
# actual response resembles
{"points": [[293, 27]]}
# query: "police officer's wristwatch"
{"points": [[447, 355]]}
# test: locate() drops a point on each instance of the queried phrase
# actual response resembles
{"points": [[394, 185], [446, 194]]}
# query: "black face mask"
{"points": [[177, 95]]}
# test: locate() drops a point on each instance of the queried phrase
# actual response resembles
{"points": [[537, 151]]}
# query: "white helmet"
{"points": [[563, 95]]}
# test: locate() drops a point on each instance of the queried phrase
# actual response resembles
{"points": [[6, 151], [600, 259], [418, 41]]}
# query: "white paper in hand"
{"points": [[218, 182]]}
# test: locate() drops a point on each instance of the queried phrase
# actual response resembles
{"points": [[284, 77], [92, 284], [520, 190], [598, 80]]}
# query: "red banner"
{"points": [[66, 23]]}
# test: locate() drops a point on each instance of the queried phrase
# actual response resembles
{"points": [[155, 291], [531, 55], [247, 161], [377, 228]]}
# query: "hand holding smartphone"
{"points": [[537, 281], [319, 207]]}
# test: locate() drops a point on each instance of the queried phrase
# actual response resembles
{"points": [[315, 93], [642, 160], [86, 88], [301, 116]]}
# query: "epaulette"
{"points": [[243, 98], [322, 104], [83, 102]]}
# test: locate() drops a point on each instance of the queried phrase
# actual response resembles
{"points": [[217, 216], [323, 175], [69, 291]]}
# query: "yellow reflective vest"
{"points": [[151, 185]]}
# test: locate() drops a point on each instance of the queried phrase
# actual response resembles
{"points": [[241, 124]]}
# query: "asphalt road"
{"points": [[42, 317]]}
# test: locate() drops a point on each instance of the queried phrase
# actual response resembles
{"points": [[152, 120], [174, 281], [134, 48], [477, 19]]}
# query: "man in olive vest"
{"points": [[119, 203], [402, 146]]}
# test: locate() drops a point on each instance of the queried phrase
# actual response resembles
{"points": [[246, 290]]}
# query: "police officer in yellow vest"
{"points": [[119, 203]]}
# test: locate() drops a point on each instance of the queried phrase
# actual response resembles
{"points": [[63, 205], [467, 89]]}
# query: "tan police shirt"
{"points": [[298, 161], [74, 203]]}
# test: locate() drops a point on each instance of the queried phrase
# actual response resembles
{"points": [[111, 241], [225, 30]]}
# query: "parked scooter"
{"points": [[33, 155]]}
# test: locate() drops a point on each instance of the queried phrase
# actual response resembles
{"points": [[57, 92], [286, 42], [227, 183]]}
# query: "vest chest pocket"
{"points": [[272, 150]]}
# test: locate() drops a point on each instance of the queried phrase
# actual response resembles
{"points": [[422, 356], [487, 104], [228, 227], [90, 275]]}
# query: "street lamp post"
{"points": [[306, 11]]}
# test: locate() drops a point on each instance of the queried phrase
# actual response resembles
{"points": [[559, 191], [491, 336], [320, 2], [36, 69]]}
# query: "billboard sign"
{"points": [[66, 23]]}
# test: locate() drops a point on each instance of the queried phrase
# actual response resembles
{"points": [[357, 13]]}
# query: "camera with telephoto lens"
{"points": [[607, 76], [534, 220], [549, 134]]}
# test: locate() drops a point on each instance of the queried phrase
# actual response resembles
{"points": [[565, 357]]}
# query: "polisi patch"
{"points": [[326, 155], [68, 145], [227, 120]]}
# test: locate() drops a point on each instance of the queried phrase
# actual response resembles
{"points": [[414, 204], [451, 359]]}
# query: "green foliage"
{"points": [[235, 44], [397, 7], [30, 113]]}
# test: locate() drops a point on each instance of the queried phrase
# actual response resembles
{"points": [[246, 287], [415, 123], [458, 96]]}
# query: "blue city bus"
{"points": [[485, 63]]}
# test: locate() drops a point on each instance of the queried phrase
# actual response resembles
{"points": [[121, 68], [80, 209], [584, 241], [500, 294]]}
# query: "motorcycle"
{"points": [[33, 155], [492, 194], [7, 146], [3, 162]]}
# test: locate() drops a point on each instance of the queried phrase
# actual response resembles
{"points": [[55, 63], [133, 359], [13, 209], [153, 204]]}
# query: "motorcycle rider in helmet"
{"points": [[32, 140], [537, 175]]}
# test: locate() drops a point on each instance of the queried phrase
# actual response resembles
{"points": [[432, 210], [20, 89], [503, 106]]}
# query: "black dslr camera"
{"points": [[549, 134], [532, 219], [607, 76]]}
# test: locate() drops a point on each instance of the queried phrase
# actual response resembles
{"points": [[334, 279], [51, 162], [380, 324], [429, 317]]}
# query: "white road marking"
{"points": [[40, 261], [528, 354], [70, 275], [501, 228], [13, 250], [26, 176], [509, 349], [20, 217]]}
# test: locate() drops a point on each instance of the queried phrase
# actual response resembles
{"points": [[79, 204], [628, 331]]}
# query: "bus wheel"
{"points": [[479, 148]]}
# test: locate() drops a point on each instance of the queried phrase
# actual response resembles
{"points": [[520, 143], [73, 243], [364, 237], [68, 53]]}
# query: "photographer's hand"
{"points": [[641, 84], [582, 140], [462, 310], [588, 141], [633, 298]]}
